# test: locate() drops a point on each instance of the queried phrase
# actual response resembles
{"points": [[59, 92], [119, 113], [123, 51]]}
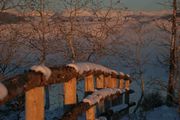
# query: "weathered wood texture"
{"points": [[19, 84], [90, 113], [100, 82], [107, 81], [34, 105], [70, 93], [127, 84], [121, 84], [113, 82], [89, 87], [89, 83], [33, 83]]}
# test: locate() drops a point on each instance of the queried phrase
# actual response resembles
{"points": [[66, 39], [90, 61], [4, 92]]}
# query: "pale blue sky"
{"points": [[144, 4], [147, 5]]}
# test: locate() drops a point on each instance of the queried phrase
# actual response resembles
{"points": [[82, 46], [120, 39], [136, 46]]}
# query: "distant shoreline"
{"points": [[86, 12]]}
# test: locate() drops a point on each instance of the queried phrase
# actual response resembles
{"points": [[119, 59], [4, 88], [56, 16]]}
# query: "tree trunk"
{"points": [[172, 66]]}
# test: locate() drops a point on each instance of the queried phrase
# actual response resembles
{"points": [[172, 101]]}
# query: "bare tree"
{"points": [[173, 57], [86, 29], [136, 56], [178, 52], [9, 4]]}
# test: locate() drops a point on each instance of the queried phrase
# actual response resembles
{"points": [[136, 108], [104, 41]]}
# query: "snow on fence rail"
{"points": [[90, 101], [32, 84]]}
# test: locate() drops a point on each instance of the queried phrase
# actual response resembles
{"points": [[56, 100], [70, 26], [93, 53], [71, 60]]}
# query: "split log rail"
{"points": [[32, 85]]}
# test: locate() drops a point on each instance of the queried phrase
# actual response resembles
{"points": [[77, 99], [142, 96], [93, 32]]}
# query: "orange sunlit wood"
{"points": [[35, 100], [70, 92]]}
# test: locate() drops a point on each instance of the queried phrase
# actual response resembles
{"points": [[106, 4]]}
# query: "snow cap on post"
{"points": [[3, 91], [121, 73], [43, 69], [127, 77]]}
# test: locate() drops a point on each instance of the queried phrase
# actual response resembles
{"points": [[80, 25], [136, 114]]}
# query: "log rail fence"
{"points": [[99, 81]]}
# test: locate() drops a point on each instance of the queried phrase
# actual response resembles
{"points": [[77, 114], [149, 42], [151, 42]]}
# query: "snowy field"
{"points": [[160, 113]]}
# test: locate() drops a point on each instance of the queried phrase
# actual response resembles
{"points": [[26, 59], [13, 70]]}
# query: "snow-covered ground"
{"points": [[160, 113]]}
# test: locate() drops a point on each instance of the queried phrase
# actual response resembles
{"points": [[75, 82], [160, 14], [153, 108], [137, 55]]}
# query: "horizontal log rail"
{"points": [[32, 83], [19, 84], [118, 112], [22, 83], [83, 106]]}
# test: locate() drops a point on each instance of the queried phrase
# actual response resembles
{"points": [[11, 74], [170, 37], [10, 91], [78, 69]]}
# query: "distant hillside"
{"points": [[10, 18]]}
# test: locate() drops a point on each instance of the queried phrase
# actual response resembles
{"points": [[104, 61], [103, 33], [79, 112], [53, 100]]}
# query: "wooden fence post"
{"points": [[107, 81], [111, 81], [89, 84], [107, 102], [121, 86], [119, 99], [127, 84], [35, 103], [89, 88], [113, 84], [100, 84], [127, 87], [70, 94]]}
